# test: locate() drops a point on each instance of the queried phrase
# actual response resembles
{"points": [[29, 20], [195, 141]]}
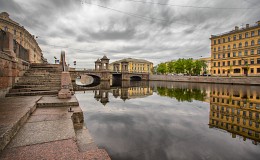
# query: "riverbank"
{"points": [[204, 79], [41, 127]]}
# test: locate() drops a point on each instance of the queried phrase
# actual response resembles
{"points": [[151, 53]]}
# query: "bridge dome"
{"points": [[98, 61], [104, 58]]}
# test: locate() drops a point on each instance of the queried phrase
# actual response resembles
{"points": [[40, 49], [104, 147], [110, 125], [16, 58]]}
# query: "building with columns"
{"points": [[236, 52], [131, 65], [22, 37]]}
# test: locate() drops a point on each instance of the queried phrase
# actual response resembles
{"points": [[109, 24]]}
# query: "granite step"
{"points": [[54, 101], [15, 111], [33, 89], [33, 93]]}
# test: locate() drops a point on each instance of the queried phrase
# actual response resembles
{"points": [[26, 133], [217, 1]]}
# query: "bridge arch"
{"points": [[135, 78]]}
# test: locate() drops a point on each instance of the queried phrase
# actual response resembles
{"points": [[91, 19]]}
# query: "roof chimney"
{"points": [[236, 28], [247, 25]]}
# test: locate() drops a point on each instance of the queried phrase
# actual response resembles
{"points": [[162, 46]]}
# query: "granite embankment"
{"points": [[36, 124], [204, 79]]}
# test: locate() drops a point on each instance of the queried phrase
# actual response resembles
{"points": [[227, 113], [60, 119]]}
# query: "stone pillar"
{"points": [[8, 44]]}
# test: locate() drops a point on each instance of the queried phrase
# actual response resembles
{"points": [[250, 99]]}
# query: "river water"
{"points": [[169, 120]]}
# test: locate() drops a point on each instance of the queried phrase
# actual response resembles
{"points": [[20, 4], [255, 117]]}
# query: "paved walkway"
{"points": [[50, 132]]}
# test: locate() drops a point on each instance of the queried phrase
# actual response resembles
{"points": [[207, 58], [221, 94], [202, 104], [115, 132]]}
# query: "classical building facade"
{"points": [[237, 52], [22, 37], [131, 65]]}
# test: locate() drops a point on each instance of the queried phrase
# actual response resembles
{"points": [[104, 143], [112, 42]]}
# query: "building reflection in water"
{"points": [[127, 90], [236, 110]]}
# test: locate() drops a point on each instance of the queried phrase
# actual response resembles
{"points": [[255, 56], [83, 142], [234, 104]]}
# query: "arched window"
{"points": [[240, 45], [246, 44], [252, 43]]}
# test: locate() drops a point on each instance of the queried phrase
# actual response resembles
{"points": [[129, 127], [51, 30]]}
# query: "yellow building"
{"points": [[23, 37], [132, 65], [207, 60], [236, 111], [237, 52]]}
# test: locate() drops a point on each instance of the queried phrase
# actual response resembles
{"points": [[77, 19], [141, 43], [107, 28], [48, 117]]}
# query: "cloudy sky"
{"points": [[155, 30]]}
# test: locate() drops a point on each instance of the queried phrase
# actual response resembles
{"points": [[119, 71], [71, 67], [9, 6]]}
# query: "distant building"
{"points": [[132, 65], [236, 52], [23, 37], [206, 70]]}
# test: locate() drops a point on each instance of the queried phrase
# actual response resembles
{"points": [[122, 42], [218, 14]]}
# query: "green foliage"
{"points": [[184, 66], [182, 94]]}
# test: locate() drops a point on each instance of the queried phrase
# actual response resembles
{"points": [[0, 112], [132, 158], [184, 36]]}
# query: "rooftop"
{"points": [[237, 29], [132, 60]]}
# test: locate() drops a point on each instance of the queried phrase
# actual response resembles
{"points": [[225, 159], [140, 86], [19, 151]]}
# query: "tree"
{"points": [[171, 67], [180, 66], [162, 68], [188, 66]]}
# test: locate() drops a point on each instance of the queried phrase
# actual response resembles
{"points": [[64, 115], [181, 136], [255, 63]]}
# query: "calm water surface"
{"points": [[161, 121]]}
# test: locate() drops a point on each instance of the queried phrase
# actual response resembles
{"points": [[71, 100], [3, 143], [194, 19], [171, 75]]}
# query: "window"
{"points": [[219, 64], [214, 64], [224, 55], [228, 54], [228, 46], [240, 45], [214, 49], [223, 64], [218, 71], [234, 37], [252, 51], [246, 35], [218, 55], [252, 43], [234, 54], [258, 51], [224, 47], [215, 42], [14, 32], [229, 39], [228, 63], [258, 32], [6, 28], [246, 44], [214, 56], [234, 46], [234, 63], [245, 61], [252, 70], [252, 33], [258, 60], [215, 71], [218, 41], [246, 52], [236, 70], [218, 48], [224, 40], [252, 61], [239, 53], [258, 41], [240, 36], [239, 62]]}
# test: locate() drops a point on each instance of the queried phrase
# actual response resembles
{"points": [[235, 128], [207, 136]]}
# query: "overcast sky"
{"points": [[87, 29]]}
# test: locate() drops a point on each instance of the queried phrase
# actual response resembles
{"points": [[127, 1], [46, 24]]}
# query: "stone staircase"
{"points": [[40, 79]]}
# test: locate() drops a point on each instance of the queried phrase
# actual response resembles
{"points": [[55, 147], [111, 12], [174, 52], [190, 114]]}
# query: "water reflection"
{"points": [[160, 120], [236, 110]]}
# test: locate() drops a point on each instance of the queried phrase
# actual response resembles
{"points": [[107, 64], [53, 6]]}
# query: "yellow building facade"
{"points": [[237, 52], [23, 37], [236, 111], [133, 65]]}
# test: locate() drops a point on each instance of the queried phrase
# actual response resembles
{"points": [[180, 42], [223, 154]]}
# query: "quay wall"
{"points": [[204, 79]]}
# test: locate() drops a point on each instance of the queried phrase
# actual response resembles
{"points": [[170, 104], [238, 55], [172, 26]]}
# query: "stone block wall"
{"points": [[202, 79]]}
